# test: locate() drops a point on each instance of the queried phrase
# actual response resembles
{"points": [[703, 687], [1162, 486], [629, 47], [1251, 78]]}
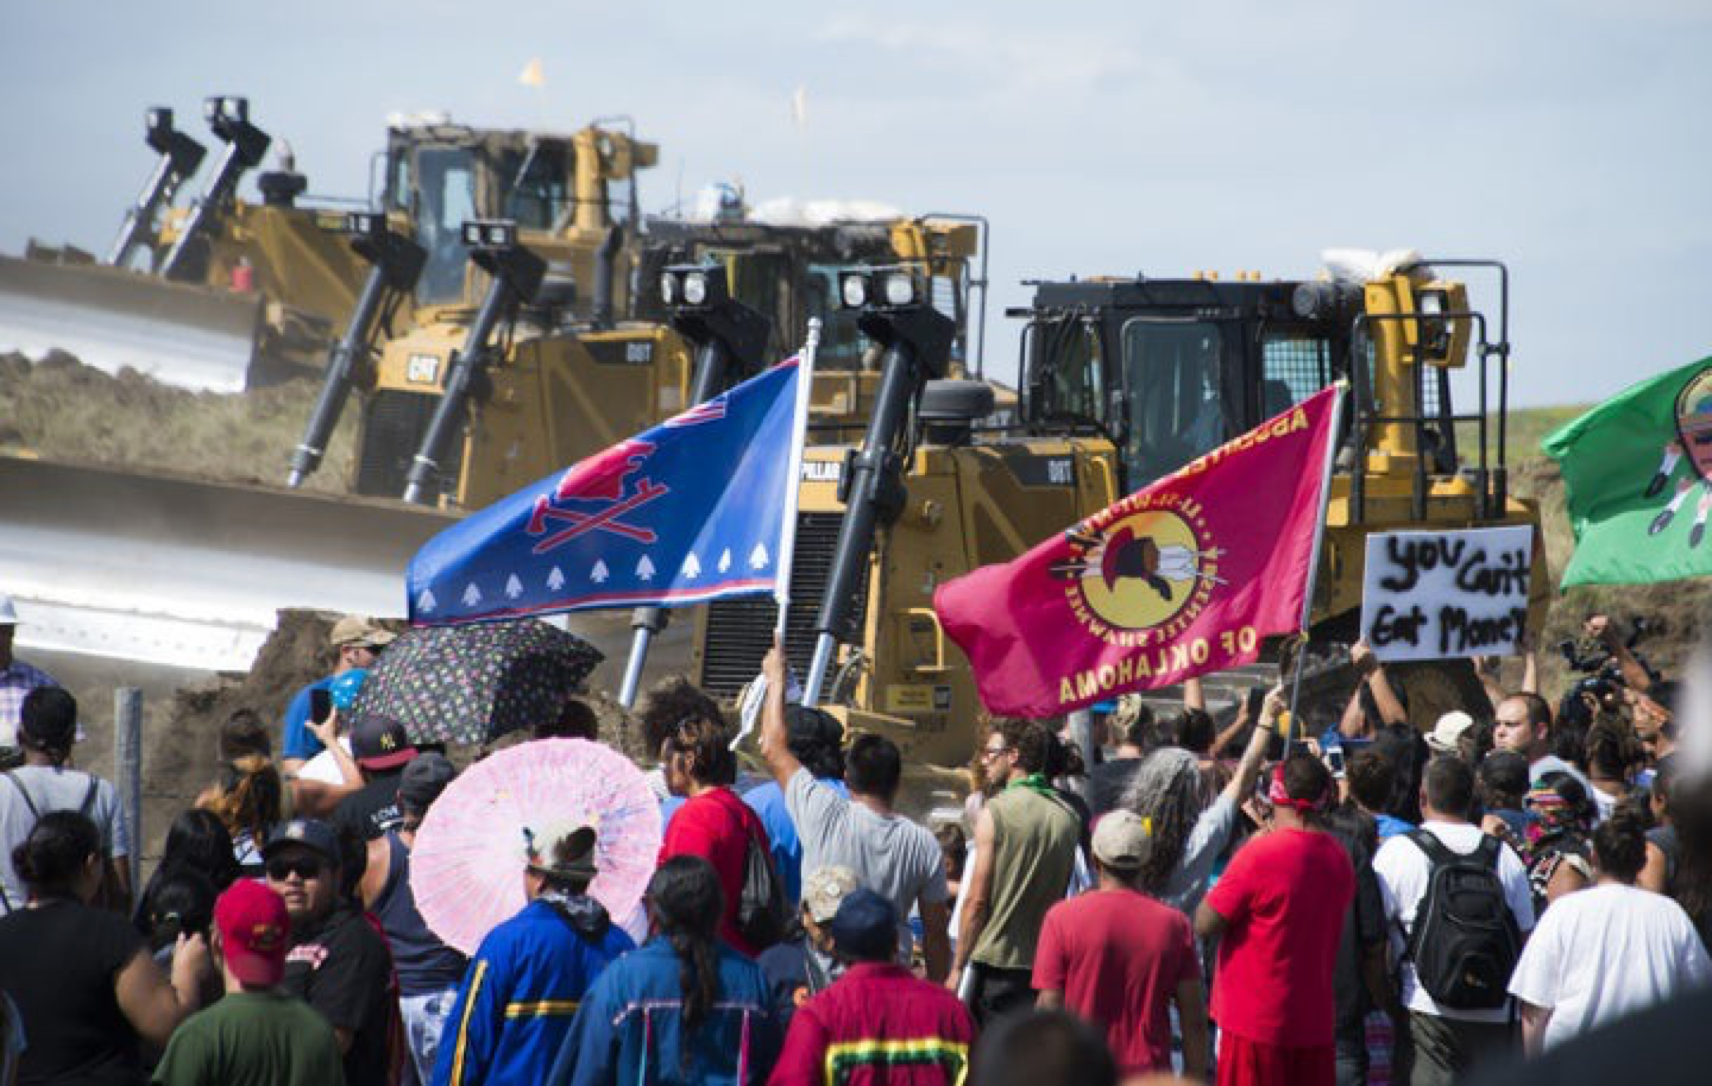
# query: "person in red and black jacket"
{"points": [[878, 1025], [713, 823]]}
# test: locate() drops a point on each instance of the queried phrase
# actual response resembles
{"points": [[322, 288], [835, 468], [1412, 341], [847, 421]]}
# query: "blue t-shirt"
{"points": [[296, 742], [768, 802], [1391, 826]]}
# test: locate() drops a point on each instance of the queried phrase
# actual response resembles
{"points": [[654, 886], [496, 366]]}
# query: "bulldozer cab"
{"points": [[553, 186], [791, 274], [1170, 369]]}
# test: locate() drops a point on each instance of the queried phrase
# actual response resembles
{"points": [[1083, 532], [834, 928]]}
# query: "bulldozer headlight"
{"points": [[227, 107], [693, 285], [853, 289], [490, 234], [900, 288], [366, 224], [695, 288]]}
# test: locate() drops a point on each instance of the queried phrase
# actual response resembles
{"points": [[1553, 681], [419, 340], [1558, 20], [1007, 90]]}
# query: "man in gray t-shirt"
{"points": [[890, 855], [47, 727]]}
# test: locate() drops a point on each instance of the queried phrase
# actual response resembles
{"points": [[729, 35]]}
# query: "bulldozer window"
{"points": [[1171, 374], [1294, 366], [536, 199], [1066, 371], [446, 197]]}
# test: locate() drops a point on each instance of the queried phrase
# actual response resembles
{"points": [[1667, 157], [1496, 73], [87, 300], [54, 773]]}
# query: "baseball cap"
{"points": [[255, 932], [865, 928], [8, 611], [812, 727], [380, 742], [825, 889], [360, 630], [1121, 840], [1448, 730], [423, 780], [309, 832]]}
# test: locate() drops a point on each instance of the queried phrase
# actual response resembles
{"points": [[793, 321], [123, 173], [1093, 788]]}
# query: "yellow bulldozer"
{"points": [[1123, 381], [225, 294]]}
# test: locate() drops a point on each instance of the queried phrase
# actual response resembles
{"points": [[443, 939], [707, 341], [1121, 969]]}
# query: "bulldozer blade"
{"points": [[182, 334], [172, 570]]}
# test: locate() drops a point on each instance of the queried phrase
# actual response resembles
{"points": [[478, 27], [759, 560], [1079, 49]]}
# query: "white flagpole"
{"points": [[793, 486], [749, 709], [1319, 541]]}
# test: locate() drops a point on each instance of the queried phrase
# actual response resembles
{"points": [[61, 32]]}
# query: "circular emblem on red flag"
{"points": [[1142, 571]]}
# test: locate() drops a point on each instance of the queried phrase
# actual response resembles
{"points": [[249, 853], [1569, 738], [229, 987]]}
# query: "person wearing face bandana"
{"points": [[1279, 911]]}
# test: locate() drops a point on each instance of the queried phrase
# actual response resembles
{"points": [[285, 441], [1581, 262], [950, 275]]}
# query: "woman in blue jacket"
{"points": [[685, 1008]]}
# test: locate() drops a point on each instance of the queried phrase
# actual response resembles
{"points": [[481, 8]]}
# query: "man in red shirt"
{"points": [[1119, 958], [713, 823], [878, 1025], [1279, 910]]}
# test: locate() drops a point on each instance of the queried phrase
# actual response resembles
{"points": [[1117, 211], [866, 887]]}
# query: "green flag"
{"points": [[1637, 478]]}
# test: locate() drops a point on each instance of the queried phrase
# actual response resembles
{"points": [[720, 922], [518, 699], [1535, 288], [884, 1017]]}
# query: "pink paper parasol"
{"points": [[466, 868]]}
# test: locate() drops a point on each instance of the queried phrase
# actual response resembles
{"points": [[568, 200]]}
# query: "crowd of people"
{"points": [[1253, 901]]}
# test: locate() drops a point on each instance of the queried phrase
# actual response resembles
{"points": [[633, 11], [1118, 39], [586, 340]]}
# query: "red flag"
{"points": [[1179, 579]]}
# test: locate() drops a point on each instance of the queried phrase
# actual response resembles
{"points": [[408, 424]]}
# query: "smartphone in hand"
{"points": [[320, 705]]}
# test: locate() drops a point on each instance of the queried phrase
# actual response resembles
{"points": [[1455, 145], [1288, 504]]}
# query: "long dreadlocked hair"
{"points": [[1167, 791], [686, 902]]}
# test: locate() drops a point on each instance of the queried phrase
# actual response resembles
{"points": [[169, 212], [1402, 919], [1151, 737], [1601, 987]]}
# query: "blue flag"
{"points": [[690, 511]]}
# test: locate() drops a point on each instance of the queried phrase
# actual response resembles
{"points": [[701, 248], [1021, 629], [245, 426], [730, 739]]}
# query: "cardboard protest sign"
{"points": [[1438, 595]]}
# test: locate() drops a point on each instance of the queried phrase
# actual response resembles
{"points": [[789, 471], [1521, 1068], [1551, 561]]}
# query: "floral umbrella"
{"points": [[471, 684]]}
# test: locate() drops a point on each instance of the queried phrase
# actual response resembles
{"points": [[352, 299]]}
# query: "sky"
{"points": [[1572, 140]]}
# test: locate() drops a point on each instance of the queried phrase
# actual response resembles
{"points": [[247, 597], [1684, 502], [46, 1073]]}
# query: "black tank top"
{"points": [[424, 963]]}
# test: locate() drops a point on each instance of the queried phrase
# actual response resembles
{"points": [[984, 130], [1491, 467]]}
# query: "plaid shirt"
{"points": [[15, 682]]}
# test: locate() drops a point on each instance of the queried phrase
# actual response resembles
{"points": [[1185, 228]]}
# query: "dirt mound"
{"points": [[60, 408]]}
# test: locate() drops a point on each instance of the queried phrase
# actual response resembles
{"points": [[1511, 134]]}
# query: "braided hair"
{"points": [[1168, 791], [685, 901]]}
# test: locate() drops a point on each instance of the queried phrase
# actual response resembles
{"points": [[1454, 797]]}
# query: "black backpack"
{"points": [[763, 914], [1465, 943]]}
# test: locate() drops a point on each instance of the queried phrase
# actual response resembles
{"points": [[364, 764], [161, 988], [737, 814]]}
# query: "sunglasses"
{"points": [[306, 868], [993, 752]]}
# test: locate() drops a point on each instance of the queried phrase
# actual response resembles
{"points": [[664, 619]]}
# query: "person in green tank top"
{"points": [[1025, 851]]}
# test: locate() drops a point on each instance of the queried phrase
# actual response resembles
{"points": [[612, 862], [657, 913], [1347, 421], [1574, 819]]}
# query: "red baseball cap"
{"points": [[255, 932]]}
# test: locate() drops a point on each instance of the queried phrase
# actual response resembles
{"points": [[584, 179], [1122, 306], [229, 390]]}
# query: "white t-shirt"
{"points": [[1404, 872], [324, 767], [52, 789], [1607, 952]]}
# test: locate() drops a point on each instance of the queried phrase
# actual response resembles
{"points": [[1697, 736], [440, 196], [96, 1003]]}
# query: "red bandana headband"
{"points": [[1282, 798]]}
